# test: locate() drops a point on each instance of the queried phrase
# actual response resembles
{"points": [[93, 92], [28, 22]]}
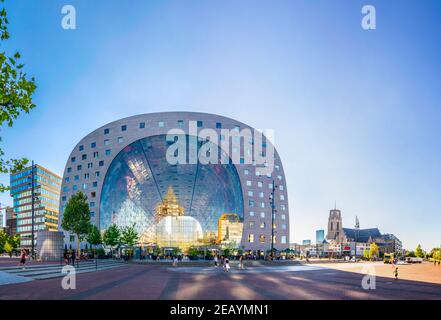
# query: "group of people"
{"points": [[70, 257], [225, 263]]}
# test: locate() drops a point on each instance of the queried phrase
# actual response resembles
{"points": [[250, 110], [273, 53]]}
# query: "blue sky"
{"points": [[356, 113]]}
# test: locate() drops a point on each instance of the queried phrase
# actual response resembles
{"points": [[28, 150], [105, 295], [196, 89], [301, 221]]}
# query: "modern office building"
{"points": [[204, 183], [11, 221], [46, 186], [7, 220], [306, 242], [2, 217], [319, 236]]}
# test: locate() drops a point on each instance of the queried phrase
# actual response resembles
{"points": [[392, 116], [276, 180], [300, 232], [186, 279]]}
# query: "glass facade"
{"points": [[172, 205], [46, 201]]}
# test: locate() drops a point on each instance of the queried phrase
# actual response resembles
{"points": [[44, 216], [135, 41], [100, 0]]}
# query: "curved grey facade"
{"points": [[97, 163]]}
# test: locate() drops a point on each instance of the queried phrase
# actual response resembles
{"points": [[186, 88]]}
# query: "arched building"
{"points": [[129, 173]]}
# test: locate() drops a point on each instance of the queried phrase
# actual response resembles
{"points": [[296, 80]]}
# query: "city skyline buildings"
{"points": [[358, 125]]}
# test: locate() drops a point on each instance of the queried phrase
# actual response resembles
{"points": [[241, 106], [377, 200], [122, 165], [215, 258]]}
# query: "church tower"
{"points": [[335, 225]]}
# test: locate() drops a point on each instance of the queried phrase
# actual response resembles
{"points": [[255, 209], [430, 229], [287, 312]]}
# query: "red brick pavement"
{"points": [[134, 282]]}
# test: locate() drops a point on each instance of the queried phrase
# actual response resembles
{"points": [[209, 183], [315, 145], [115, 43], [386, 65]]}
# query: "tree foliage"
{"points": [[94, 236], [112, 236], [16, 91], [7, 242], [129, 236], [76, 217], [419, 252], [373, 250]]}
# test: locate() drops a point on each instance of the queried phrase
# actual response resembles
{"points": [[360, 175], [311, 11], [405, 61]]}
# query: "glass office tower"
{"points": [[46, 201]]}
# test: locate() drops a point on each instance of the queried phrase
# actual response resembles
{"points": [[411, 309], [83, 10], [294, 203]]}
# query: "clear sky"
{"points": [[356, 113]]}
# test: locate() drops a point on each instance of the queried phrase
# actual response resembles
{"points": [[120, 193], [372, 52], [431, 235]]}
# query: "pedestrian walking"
{"points": [[23, 258], [215, 261], [73, 257], [227, 265], [241, 263], [396, 273]]}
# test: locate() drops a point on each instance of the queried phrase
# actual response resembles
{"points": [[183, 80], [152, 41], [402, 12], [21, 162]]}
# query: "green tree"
{"points": [[419, 252], [76, 217], [94, 236], [129, 236], [16, 91], [8, 247], [15, 241], [112, 236], [366, 254], [3, 240], [373, 250]]}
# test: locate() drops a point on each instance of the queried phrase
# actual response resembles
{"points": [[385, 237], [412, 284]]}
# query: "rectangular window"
{"points": [[106, 131], [81, 148], [73, 159], [97, 173], [250, 203], [101, 164], [250, 193], [283, 239], [161, 124], [262, 238], [93, 145], [251, 238], [69, 170], [262, 214], [200, 124], [218, 125], [89, 165], [259, 184], [262, 225], [108, 152], [124, 128], [246, 172], [248, 183], [251, 224], [86, 176], [142, 125], [79, 167], [95, 184], [283, 217], [93, 194], [120, 140], [251, 213], [106, 142], [77, 177], [92, 205], [84, 157], [180, 123], [95, 154]]}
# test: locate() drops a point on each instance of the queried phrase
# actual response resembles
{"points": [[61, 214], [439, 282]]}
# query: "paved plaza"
{"points": [[318, 281]]}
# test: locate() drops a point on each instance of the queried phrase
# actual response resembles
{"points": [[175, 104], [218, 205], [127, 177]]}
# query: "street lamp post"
{"points": [[273, 210], [33, 212]]}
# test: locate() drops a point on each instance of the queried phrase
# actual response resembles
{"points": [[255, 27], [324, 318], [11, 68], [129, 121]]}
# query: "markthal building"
{"points": [[183, 179]]}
